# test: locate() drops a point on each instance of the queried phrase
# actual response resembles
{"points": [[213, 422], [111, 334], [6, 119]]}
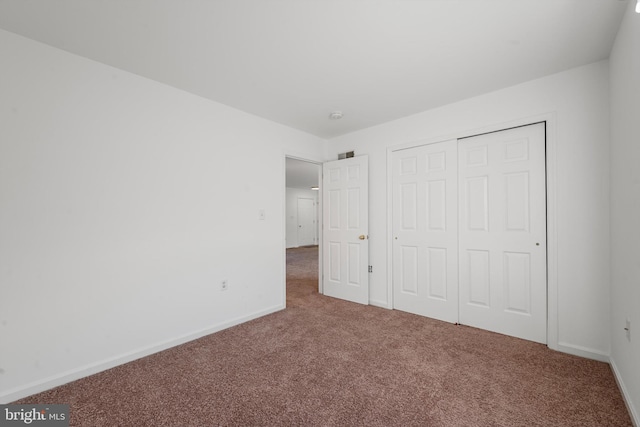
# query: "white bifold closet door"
{"points": [[469, 230]]}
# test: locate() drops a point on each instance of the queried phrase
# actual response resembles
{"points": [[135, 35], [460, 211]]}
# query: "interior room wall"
{"points": [[579, 99], [625, 208], [123, 205], [292, 213]]}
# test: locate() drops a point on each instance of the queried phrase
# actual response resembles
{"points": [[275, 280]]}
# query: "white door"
{"points": [[425, 225], [502, 232], [306, 221], [345, 198]]}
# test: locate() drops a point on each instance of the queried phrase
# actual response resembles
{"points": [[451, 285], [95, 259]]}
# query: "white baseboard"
{"points": [[635, 417], [585, 352], [93, 368], [381, 304]]}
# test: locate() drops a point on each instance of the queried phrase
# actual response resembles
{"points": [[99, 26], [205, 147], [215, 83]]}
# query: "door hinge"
{"points": [[370, 269]]}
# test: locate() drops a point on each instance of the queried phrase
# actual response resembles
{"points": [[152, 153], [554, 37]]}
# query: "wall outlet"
{"points": [[627, 329], [224, 284]]}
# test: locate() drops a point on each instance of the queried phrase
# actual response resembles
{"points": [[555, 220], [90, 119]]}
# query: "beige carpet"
{"points": [[329, 362]]}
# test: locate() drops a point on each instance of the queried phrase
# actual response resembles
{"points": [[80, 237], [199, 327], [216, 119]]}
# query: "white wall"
{"points": [[625, 207], [579, 100], [123, 203], [292, 213]]}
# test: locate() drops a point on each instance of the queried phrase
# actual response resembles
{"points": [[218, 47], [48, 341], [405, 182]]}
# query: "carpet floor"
{"points": [[327, 362]]}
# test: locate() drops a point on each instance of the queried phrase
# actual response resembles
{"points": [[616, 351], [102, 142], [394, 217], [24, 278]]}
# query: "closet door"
{"points": [[425, 223], [502, 232]]}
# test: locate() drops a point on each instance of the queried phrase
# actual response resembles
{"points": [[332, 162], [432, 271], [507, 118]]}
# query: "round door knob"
{"points": [[362, 237]]}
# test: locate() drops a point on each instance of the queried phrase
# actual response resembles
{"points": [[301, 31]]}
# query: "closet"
{"points": [[469, 231]]}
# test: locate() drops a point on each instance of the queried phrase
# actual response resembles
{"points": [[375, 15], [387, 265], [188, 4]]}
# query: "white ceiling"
{"points": [[295, 61], [301, 174]]}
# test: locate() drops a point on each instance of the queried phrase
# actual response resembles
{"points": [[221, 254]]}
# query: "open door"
{"points": [[345, 229]]}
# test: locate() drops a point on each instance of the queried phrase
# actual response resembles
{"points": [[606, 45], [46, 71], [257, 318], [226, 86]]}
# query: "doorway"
{"points": [[302, 225]]}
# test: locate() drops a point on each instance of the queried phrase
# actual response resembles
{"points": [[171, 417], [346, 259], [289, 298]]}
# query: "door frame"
{"points": [[550, 120], [317, 160]]}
